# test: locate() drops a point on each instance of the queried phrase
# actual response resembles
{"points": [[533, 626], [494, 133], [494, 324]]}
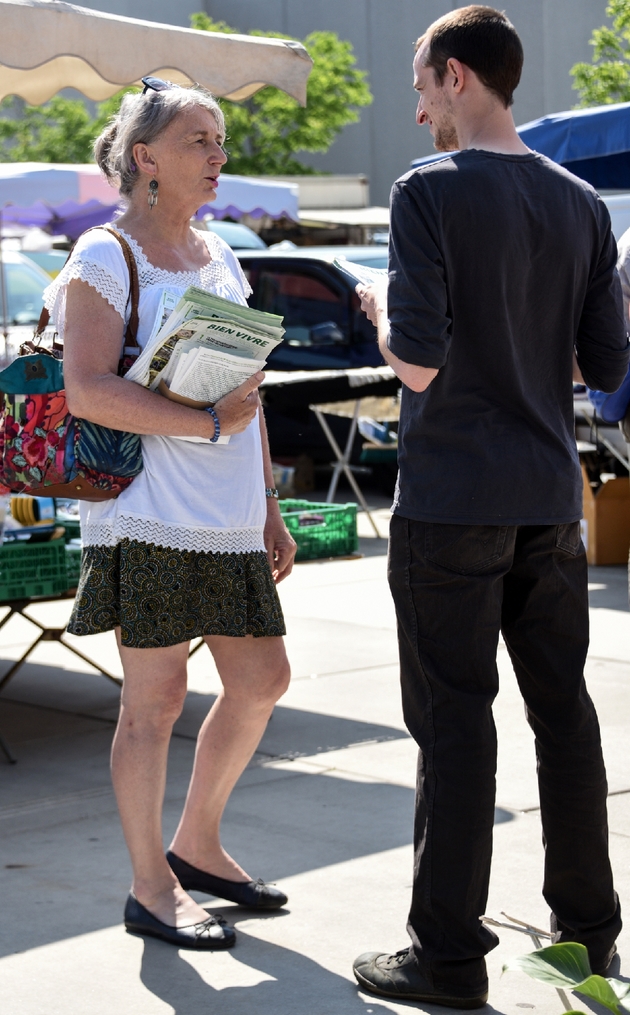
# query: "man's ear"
{"points": [[457, 74]]}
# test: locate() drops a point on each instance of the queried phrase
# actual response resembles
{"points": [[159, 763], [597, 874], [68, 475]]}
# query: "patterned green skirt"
{"points": [[159, 597]]}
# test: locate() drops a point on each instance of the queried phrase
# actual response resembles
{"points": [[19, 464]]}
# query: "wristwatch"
{"points": [[270, 491]]}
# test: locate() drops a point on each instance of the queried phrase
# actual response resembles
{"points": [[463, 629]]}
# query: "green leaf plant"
{"points": [[268, 130], [62, 130], [566, 966], [265, 133], [607, 78]]}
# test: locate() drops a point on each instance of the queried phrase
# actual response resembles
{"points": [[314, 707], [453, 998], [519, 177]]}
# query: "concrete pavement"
{"points": [[325, 809]]}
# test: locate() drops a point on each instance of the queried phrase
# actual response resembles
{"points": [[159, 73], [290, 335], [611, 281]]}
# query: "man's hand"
{"points": [[373, 300], [279, 543], [237, 409], [374, 304]]}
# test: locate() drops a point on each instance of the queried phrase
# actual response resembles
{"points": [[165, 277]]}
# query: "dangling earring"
{"points": [[153, 193]]}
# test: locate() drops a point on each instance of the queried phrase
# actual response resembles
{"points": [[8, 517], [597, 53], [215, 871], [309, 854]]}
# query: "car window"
{"points": [[238, 236], [314, 312], [24, 293]]}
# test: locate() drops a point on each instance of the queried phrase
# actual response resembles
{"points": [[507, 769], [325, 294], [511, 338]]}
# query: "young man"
{"points": [[502, 265]]}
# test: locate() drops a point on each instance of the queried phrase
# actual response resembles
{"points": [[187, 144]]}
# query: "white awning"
{"points": [[46, 45], [377, 216]]}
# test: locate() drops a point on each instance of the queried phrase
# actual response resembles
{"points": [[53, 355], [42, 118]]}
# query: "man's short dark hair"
{"points": [[483, 39]]}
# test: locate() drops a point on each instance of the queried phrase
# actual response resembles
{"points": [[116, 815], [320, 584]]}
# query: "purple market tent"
{"points": [[67, 199]]}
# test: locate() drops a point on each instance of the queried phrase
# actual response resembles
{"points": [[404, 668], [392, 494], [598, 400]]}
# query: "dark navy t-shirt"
{"points": [[500, 266]]}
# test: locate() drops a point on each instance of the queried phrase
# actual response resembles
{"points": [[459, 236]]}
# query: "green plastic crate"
{"points": [[73, 565], [30, 570], [321, 530], [72, 527]]}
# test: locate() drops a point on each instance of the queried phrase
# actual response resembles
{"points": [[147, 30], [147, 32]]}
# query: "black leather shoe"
{"points": [[399, 976], [253, 894], [211, 934]]}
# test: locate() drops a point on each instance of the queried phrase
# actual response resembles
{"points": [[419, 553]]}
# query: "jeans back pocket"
{"points": [[569, 538], [465, 549]]}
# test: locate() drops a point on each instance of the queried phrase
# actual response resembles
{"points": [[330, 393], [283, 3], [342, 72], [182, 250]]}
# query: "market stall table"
{"points": [[607, 434], [19, 607], [348, 404]]}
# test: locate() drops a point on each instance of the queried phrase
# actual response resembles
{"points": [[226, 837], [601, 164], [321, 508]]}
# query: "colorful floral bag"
{"points": [[44, 449]]}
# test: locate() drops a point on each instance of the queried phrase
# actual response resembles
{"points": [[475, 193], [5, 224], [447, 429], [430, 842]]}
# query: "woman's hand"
{"points": [[279, 543], [237, 409]]}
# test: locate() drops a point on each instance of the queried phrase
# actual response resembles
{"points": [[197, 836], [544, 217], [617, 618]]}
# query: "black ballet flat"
{"points": [[210, 935], [253, 894]]}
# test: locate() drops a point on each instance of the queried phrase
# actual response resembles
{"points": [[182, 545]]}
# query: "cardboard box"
{"points": [[606, 522]]}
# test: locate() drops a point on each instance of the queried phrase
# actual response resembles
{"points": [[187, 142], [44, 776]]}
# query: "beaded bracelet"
{"points": [[217, 425]]}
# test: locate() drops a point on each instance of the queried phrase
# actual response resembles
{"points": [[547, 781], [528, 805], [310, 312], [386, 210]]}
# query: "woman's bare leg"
{"points": [[254, 673], [153, 694]]}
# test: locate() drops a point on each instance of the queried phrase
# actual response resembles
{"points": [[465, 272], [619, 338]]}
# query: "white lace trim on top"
{"points": [[108, 285], [110, 531], [214, 275]]}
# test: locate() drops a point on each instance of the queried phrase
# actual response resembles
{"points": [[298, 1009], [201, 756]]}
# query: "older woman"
{"points": [[193, 546]]}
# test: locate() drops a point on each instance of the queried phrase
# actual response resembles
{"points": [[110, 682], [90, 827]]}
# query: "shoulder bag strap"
{"points": [[131, 331]]}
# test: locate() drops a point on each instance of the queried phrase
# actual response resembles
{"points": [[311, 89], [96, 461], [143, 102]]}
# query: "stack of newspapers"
{"points": [[202, 347]]}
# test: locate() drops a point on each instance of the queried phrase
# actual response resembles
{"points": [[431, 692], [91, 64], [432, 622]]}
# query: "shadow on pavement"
{"points": [[294, 733], [290, 733], [372, 547], [609, 588], [297, 984], [71, 877]]}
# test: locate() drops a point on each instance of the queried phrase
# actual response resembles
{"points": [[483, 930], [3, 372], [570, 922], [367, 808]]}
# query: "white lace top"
{"points": [[204, 497]]}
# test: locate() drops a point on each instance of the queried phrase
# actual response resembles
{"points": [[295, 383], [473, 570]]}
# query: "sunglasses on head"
{"points": [[157, 85]]}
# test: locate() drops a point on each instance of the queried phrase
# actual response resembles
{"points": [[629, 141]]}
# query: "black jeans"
{"points": [[455, 588]]}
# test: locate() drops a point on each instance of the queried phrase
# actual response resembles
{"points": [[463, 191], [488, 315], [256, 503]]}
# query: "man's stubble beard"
{"points": [[445, 139]]}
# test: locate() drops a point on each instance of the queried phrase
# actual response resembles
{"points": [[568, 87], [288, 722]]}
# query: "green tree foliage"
{"points": [[59, 131], [264, 133], [607, 78], [62, 130], [267, 131]]}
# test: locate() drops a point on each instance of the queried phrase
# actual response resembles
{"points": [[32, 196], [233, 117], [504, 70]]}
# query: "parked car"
{"points": [[239, 236], [50, 261], [325, 327], [24, 284]]}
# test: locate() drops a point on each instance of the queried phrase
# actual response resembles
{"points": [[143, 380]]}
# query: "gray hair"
{"points": [[140, 120]]}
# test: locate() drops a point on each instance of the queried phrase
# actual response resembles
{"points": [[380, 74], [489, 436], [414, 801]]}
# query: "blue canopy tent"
{"points": [[592, 143]]}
